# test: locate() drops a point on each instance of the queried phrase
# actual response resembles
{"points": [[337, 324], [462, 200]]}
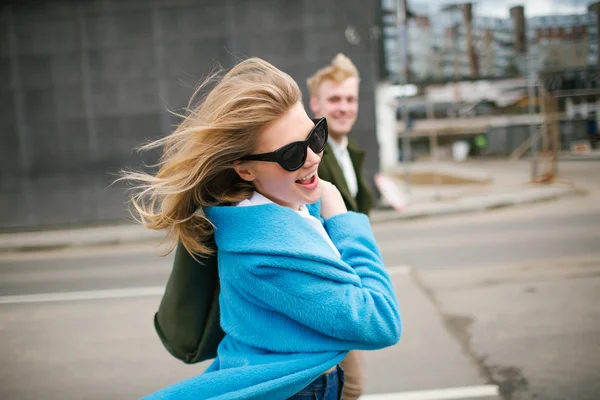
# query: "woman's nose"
{"points": [[312, 158]]}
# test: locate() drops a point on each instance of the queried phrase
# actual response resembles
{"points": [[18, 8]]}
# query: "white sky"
{"points": [[500, 8]]}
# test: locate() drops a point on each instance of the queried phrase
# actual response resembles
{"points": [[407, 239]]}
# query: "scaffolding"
{"points": [[554, 85]]}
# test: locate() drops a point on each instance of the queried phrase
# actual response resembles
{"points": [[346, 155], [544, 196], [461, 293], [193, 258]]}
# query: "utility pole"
{"points": [[595, 8], [523, 48], [473, 60]]}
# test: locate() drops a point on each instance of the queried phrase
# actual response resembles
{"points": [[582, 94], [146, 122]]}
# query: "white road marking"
{"points": [[399, 270], [84, 295], [108, 250], [122, 293], [439, 394]]}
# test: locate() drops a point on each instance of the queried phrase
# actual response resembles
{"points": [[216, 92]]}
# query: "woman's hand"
{"points": [[332, 202]]}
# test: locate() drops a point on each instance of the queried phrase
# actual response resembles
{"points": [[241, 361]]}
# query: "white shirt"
{"points": [[258, 199], [340, 151]]}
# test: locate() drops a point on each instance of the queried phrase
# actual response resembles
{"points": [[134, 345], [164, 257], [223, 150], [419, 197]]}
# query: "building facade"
{"points": [[86, 81], [454, 42]]}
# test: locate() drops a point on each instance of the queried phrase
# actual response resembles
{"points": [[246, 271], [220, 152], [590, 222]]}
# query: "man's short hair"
{"points": [[340, 69]]}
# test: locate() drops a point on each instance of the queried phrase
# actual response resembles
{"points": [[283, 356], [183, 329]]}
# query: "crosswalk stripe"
{"points": [[439, 394], [84, 295]]}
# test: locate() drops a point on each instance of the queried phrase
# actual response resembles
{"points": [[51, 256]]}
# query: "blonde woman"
{"points": [[302, 280]]}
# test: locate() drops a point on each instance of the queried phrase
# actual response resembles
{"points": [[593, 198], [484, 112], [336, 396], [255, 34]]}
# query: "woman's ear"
{"points": [[244, 170]]}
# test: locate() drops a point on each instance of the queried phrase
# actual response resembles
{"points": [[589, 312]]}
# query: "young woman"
{"points": [[302, 280]]}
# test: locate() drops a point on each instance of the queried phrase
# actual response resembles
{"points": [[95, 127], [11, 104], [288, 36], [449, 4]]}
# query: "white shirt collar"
{"points": [[258, 199], [340, 152], [339, 147]]}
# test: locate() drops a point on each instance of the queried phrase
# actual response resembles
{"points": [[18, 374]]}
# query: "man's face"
{"points": [[339, 104]]}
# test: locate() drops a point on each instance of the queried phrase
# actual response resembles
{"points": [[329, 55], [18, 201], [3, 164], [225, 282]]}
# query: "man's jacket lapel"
{"points": [[363, 197], [330, 170]]}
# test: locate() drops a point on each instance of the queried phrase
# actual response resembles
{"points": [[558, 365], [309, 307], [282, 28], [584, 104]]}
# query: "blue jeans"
{"points": [[325, 387]]}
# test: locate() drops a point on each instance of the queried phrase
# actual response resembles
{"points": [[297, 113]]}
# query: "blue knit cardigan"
{"points": [[290, 307]]}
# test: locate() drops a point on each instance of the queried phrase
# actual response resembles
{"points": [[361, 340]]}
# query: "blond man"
{"points": [[334, 95]]}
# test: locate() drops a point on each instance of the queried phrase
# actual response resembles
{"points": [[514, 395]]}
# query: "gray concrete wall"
{"points": [[83, 82]]}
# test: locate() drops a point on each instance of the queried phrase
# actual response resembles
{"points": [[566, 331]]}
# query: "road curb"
{"points": [[88, 238]]}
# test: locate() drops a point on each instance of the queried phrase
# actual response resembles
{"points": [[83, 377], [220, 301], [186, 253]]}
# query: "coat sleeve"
{"points": [[350, 299]]}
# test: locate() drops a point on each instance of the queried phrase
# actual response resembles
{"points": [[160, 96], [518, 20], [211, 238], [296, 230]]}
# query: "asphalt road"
{"points": [[509, 297]]}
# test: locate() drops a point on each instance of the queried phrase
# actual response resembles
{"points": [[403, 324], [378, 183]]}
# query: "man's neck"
{"points": [[339, 146], [338, 139]]}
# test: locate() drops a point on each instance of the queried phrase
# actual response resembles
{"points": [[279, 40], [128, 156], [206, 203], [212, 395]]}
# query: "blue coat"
{"points": [[290, 307]]}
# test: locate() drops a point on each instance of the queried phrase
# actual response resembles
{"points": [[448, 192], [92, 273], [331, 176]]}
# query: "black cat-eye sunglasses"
{"points": [[292, 157]]}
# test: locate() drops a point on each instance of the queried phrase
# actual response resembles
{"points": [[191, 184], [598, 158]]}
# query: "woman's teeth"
{"points": [[307, 177]]}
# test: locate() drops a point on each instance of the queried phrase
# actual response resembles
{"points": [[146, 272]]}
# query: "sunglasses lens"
{"points": [[293, 157], [319, 138]]}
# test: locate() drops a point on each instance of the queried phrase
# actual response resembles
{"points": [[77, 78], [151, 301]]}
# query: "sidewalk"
{"points": [[503, 184], [492, 198], [493, 184], [78, 237], [593, 155]]}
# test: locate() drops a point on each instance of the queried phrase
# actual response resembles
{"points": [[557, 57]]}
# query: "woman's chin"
{"points": [[314, 196]]}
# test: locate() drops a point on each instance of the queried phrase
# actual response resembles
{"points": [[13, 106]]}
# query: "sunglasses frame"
{"points": [[275, 156]]}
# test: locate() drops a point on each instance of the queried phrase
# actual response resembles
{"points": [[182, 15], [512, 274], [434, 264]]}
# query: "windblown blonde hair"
{"points": [[340, 69], [196, 167]]}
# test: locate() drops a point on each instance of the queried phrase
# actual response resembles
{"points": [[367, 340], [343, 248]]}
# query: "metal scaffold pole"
{"points": [[402, 19], [533, 129]]}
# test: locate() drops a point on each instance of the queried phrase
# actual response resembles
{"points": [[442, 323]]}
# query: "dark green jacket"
{"points": [[187, 321], [330, 170]]}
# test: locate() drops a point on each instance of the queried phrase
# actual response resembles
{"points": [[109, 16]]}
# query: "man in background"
{"points": [[334, 95]]}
